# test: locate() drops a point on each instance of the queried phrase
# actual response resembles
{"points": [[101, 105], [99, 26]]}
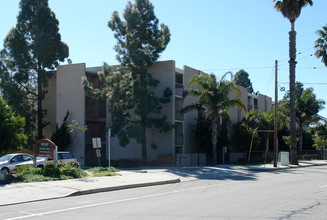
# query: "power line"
{"points": [[247, 68], [305, 83]]}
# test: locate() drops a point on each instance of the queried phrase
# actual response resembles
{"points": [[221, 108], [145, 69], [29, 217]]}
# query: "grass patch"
{"points": [[103, 171]]}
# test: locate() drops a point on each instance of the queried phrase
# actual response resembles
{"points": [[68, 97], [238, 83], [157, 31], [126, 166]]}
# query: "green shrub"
{"points": [[23, 169], [73, 164], [27, 169], [50, 164], [71, 171], [51, 171], [27, 173]]}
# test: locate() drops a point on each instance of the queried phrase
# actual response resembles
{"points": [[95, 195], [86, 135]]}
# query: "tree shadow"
{"points": [[219, 173]]}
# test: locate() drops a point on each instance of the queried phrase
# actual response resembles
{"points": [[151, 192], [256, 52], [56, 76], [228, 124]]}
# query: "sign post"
{"points": [[97, 146], [55, 157]]}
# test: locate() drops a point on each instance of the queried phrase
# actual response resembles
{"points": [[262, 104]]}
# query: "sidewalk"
{"points": [[270, 167], [27, 192]]}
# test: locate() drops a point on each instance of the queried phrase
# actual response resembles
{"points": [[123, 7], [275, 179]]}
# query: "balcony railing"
{"points": [[251, 107], [179, 89], [179, 115], [179, 138]]}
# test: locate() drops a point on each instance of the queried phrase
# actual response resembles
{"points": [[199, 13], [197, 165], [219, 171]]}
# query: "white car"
{"points": [[63, 157], [9, 162]]}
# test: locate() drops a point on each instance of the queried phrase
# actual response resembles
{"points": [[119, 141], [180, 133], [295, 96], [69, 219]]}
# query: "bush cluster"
{"points": [[68, 170], [50, 164], [103, 171]]}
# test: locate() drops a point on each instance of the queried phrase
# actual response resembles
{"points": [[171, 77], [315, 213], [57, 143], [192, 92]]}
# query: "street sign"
{"points": [[98, 152], [44, 148], [96, 142]]}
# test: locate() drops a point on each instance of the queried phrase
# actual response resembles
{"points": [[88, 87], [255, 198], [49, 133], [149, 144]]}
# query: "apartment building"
{"points": [[252, 101], [65, 93]]}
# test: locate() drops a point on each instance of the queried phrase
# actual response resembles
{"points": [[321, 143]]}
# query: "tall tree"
{"points": [[134, 106], [30, 49], [217, 97], [11, 129], [241, 78], [321, 45], [320, 135], [307, 107], [202, 126], [291, 10]]}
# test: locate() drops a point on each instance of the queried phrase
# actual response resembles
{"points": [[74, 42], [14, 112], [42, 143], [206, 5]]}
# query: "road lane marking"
{"points": [[323, 186]]}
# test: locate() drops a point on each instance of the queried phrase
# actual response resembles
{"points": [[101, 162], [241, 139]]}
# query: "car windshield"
{"points": [[5, 158]]}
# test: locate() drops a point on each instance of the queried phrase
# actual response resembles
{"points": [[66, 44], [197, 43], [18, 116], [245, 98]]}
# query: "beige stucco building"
{"points": [[65, 93]]}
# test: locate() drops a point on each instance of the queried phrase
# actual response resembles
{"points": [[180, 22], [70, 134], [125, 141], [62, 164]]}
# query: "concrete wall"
{"points": [[189, 118], [165, 73], [49, 103], [70, 96], [264, 103], [237, 114]]}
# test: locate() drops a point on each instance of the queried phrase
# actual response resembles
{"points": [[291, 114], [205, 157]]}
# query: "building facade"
{"points": [[65, 93]]}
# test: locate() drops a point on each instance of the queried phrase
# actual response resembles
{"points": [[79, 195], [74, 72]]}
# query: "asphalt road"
{"points": [[299, 193]]}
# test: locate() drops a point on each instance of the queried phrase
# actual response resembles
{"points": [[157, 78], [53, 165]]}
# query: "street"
{"points": [[299, 193]]}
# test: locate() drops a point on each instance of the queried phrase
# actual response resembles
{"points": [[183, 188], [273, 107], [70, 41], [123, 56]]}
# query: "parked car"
{"points": [[9, 162], [63, 157]]}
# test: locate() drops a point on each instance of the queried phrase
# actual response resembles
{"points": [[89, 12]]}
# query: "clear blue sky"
{"points": [[215, 36]]}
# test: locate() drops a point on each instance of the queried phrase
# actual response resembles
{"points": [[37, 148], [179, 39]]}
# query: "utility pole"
{"points": [[275, 121]]}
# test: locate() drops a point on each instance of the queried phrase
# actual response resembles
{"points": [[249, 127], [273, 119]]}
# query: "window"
{"points": [[179, 78], [102, 109], [17, 158], [27, 157], [66, 156]]}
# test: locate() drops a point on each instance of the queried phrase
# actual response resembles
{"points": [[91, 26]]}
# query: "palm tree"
{"points": [[291, 10], [216, 97], [321, 45]]}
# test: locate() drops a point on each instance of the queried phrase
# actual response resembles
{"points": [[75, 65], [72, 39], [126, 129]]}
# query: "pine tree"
{"points": [[30, 49], [242, 79], [133, 105]]}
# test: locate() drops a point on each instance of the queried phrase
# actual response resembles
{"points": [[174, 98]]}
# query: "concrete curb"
{"points": [[129, 186]]}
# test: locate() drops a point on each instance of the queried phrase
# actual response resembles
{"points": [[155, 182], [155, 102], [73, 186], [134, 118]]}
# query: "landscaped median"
{"points": [[64, 171]]}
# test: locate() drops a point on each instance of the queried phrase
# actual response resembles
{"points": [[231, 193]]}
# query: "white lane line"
{"points": [[323, 186], [125, 200]]}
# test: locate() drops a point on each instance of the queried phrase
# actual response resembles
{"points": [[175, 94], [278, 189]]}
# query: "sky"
{"points": [[214, 36]]}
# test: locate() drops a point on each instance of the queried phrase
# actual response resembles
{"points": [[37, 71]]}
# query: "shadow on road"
{"points": [[217, 173]]}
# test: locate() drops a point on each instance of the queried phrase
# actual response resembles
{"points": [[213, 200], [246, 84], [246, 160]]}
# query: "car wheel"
{"points": [[40, 166], [5, 169]]}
